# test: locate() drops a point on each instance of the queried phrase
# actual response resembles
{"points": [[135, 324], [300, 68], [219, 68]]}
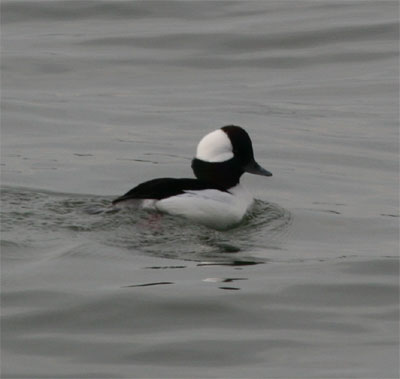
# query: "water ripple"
{"points": [[90, 218]]}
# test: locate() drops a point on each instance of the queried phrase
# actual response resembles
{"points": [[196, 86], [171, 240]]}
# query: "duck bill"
{"points": [[256, 169]]}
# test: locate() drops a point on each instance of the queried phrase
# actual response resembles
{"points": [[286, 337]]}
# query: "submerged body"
{"points": [[215, 198]]}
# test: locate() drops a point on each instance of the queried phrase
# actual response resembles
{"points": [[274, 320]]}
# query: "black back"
{"points": [[162, 188]]}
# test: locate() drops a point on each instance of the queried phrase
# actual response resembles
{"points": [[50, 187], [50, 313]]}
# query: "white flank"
{"points": [[217, 209]]}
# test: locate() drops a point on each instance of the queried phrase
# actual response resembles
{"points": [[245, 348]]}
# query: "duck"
{"points": [[215, 197]]}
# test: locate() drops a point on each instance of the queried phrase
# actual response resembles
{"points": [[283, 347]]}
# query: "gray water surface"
{"points": [[99, 96]]}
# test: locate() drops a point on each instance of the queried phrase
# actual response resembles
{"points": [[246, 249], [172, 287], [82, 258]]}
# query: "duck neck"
{"points": [[221, 174]]}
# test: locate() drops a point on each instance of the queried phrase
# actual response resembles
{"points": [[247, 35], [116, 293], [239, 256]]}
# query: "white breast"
{"points": [[213, 208]]}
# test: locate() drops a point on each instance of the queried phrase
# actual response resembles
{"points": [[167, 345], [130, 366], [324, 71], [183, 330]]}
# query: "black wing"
{"points": [[164, 187]]}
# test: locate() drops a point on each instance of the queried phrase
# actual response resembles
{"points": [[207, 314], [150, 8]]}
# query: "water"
{"points": [[100, 96]]}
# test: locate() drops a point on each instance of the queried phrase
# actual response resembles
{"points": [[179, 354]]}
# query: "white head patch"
{"points": [[215, 147]]}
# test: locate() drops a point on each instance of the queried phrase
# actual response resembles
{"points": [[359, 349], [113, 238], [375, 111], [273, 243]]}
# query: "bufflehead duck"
{"points": [[215, 198]]}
